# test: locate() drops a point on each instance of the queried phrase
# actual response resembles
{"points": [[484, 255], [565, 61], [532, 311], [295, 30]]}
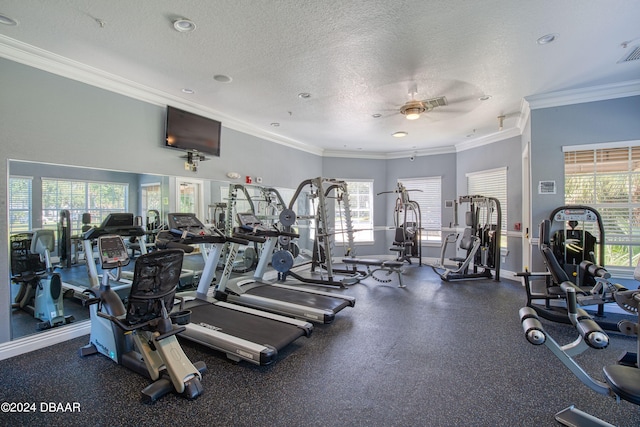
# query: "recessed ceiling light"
{"points": [[222, 78], [484, 98], [400, 134], [548, 38], [184, 25], [188, 91], [304, 95], [376, 115], [6, 20]]}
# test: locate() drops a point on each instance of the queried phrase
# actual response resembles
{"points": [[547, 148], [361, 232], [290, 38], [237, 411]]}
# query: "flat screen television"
{"points": [[189, 131]]}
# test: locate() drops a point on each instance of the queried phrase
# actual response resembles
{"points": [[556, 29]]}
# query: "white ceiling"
{"points": [[355, 57]]}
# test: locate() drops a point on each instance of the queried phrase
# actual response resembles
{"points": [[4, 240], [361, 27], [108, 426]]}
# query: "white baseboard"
{"points": [[43, 339]]}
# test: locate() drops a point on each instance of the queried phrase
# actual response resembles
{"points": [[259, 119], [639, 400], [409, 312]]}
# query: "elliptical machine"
{"points": [[40, 292], [142, 337]]}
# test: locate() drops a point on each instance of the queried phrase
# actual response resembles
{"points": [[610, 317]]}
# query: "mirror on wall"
{"points": [[52, 205], [49, 208]]}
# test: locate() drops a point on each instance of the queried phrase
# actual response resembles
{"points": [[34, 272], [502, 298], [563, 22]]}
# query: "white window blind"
{"points": [[427, 193], [78, 197], [19, 204], [608, 180], [491, 183], [361, 208]]}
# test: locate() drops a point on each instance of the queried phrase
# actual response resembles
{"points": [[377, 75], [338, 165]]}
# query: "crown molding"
{"points": [[390, 155], [35, 57], [488, 139], [582, 95]]}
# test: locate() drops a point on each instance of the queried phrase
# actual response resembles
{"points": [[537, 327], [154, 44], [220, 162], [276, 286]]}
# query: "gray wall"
{"points": [[50, 119], [588, 123], [506, 153]]}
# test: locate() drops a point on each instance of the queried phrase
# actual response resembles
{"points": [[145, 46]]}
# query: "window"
{"points": [[427, 193], [20, 205], [189, 197], [361, 208], [491, 183], [608, 180], [151, 197], [78, 197]]}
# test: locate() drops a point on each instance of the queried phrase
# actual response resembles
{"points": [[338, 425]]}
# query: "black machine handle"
{"points": [[588, 329], [288, 234], [131, 328], [532, 326], [238, 240]]}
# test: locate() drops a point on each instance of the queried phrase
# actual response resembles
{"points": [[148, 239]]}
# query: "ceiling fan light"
{"points": [[412, 113], [412, 110]]}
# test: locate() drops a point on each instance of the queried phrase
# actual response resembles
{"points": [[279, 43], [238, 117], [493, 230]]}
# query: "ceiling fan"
{"points": [[413, 108]]}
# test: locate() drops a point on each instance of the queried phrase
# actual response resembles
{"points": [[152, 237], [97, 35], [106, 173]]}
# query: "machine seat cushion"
{"points": [[373, 262], [363, 261], [392, 264], [624, 381]]}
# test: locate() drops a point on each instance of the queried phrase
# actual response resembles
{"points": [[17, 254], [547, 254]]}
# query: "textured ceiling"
{"points": [[355, 58]]}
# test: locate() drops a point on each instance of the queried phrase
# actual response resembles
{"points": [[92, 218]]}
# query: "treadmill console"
{"points": [[187, 224], [575, 214], [188, 228], [248, 221], [113, 252]]}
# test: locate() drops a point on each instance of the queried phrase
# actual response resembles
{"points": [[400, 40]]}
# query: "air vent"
{"points": [[632, 56], [440, 101]]}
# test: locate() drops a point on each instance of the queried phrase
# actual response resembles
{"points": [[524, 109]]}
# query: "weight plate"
{"points": [[294, 249], [282, 261], [250, 257], [284, 240], [287, 217]]}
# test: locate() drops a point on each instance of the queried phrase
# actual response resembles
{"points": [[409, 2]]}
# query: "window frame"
{"points": [[608, 182], [366, 228], [431, 228], [12, 226], [487, 180], [98, 213]]}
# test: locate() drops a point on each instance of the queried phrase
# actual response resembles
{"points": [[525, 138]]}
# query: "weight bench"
{"points": [[374, 265]]}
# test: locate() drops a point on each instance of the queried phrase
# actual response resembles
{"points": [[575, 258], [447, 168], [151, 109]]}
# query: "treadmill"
{"points": [[242, 333], [118, 223], [309, 304]]}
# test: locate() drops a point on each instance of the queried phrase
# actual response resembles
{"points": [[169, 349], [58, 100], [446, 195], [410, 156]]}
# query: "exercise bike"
{"points": [[40, 293], [142, 336]]}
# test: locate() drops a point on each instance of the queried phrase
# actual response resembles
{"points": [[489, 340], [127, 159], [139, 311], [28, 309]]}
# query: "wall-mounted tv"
{"points": [[188, 131]]}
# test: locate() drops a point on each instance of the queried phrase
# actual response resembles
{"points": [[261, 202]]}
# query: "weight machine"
{"points": [[569, 241], [269, 207], [319, 190], [407, 224], [480, 242]]}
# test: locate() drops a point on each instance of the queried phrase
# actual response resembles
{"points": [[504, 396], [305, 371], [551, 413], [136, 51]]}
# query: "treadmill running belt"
{"points": [[257, 329], [301, 298]]}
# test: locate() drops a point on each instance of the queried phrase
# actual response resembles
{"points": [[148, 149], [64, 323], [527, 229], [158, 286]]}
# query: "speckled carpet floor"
{"points": [[431, 354]]}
